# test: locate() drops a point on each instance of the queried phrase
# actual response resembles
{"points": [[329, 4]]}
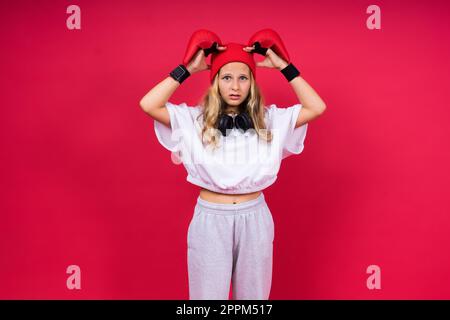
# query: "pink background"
{"points": [[84, 180]]}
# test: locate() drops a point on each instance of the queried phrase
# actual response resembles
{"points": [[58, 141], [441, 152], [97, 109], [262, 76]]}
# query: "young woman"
{"points": [[231, 146]]}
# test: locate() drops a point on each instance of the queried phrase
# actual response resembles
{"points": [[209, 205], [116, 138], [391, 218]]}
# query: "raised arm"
{"points": [[312, 105], [154, 102]]}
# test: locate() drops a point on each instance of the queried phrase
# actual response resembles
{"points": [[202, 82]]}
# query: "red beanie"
{"points": [[233, 53]]}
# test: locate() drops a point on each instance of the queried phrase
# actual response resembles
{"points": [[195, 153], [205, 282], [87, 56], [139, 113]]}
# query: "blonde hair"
{"points": [[213, 103]]}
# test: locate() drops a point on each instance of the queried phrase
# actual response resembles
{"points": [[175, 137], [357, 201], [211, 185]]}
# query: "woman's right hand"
{"points": [[198, 62]]}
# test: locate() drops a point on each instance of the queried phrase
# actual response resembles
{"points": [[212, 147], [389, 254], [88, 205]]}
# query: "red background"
{"points": [[84, 180]]}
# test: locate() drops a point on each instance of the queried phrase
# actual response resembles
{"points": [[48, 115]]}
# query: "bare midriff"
{"points": [[216, 197]]}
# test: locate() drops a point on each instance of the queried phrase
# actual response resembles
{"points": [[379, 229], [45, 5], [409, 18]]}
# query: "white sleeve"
{"points": [[182, 120], [283, 121]]}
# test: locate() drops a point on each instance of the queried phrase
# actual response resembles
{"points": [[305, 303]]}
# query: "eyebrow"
{"points": [[229, 74]]}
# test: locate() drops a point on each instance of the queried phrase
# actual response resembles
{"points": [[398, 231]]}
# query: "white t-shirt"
{"points": [[243, 162]]}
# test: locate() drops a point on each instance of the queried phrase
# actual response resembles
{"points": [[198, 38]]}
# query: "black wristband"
{"points": [[290, 72], [180, 73]]}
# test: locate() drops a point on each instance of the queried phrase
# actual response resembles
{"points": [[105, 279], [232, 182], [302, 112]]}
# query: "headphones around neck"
{"points": [[241, 121]]}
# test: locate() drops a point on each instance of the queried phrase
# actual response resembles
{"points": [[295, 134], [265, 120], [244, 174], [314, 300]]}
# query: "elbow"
{"points": [[322, 109], [143, 106]]}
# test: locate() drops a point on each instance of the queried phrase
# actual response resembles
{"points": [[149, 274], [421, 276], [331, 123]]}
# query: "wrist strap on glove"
{"points": [[180, 73], [290, 72], [259, 49]]}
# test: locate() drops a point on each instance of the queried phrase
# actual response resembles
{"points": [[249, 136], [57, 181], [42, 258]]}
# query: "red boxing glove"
{"points": [[201, 40], [268, 38]]}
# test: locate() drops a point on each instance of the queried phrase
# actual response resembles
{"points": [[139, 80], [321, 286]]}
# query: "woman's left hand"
{"points": [[272, 60]]}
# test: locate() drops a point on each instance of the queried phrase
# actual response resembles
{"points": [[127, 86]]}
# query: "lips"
{"points": [[234, 96]]}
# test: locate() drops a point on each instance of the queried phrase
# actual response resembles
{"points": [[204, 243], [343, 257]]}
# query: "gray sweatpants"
{"points": [[230, 242]]}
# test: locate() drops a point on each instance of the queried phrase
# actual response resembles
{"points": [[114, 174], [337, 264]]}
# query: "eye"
{"points": [[241, 77]]}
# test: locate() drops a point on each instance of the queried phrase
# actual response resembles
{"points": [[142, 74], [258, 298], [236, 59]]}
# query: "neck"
{"points": [[231, 109]]}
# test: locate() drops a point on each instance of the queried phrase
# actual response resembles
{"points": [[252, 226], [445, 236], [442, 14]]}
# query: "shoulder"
{"points": [[282, 117], [273, 110], [268, 110], [184, 109]]}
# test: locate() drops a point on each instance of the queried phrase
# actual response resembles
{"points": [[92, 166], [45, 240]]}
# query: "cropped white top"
{"points": [[243, 162]]}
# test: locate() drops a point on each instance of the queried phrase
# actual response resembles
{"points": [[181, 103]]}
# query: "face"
{"points": [[234, 79]]}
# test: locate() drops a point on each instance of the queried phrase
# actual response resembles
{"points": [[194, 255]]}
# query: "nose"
{"points": [[235, 85]]}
